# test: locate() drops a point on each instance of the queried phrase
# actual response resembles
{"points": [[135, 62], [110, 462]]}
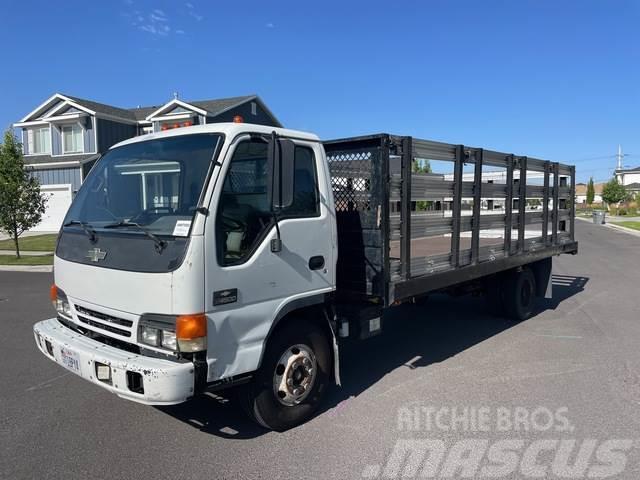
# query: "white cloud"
{"points": [[270, 25], [157, 18], [158, 22], [149, 28], [196, 16]]}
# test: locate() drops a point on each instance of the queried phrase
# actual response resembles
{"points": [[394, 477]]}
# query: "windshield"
{"points": [[155, 184]]}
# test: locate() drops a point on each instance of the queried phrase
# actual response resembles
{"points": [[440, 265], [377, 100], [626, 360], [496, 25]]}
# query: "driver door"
{"points": [[246, 283]]}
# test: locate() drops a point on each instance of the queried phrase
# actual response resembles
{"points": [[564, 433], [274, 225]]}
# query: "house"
{"points": [[630, 179], [581, 193], [63, 136]]}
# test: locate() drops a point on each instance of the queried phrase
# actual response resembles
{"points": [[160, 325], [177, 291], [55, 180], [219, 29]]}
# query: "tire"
{"points": [[299, 351], [519, 294]]}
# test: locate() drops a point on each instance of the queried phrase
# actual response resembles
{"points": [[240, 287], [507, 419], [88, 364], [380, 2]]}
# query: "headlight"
{"points": [[60, 301], [169, 340], [158, 331], [150, 336], [184, 333]]}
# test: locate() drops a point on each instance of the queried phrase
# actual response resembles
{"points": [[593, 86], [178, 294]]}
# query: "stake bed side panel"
{"points": [[405, 229]]}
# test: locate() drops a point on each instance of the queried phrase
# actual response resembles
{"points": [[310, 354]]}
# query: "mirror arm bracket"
{"points": [[276, 243]]}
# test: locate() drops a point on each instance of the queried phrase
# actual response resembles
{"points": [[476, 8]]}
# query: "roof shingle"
{"points": [[213, 107]]}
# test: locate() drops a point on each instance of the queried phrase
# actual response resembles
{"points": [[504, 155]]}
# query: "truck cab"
{"points": [[181, 256]]}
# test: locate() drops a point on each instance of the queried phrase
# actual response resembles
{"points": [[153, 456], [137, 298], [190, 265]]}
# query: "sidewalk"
{"points": [[4, 236], [26, 253]]}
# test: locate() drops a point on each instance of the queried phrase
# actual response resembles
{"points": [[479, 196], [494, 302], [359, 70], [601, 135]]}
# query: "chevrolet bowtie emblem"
{"points": [[95, 254]]}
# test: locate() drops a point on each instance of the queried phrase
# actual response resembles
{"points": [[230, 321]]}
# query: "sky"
{"points": [[558, 80]]}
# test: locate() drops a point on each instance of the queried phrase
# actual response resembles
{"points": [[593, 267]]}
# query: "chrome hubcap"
{"points": [[294, 375]]}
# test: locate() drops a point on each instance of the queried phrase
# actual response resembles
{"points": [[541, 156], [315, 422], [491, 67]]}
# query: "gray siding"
{"points": [[244, 110], [56, 141], [25, 142], [110, 133], [56, 176], [89, 136]]}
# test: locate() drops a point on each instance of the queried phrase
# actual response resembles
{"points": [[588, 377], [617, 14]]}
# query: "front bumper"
{"points": [[164, 382]]}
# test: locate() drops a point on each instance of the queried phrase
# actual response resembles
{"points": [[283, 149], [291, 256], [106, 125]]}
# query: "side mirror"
{"points": [[281, 170]]}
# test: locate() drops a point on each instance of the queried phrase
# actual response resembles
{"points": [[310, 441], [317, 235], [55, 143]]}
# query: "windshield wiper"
{"points": [[88, 229], [160, 244]]}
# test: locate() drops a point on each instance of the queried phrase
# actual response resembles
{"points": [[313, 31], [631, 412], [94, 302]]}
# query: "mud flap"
{"points": [[549, 290], [542, 270], [336, 351]]}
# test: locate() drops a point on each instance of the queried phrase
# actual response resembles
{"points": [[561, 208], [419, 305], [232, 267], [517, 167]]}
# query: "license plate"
{"points": [[70, 359]]}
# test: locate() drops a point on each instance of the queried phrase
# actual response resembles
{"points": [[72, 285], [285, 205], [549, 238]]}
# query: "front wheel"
{"points": [[293, 378]]}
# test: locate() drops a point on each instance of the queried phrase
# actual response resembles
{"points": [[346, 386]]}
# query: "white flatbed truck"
{"points": [[210, 256]]}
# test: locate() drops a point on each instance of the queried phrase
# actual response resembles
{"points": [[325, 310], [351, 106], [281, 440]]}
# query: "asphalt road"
{"points": [[578, 356]]}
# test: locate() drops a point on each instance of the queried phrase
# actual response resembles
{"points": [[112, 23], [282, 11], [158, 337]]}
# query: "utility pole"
{"points": [[619, 156]]}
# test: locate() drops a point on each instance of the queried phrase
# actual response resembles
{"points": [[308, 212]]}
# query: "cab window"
{"points": [[244, 215]]}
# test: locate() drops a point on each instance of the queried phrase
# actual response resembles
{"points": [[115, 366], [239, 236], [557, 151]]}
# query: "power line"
{"points": [[603, 157]]}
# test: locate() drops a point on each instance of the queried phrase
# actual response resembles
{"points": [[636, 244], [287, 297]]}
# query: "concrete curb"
{"points": [[26, 268]]}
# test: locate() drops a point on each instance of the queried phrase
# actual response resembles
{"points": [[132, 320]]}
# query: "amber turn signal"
{"points": [[189, 327]]}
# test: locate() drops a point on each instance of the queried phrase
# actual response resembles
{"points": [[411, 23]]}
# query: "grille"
{"points": [[104, 326], [103, 321], [113, 342], [104, 317]]}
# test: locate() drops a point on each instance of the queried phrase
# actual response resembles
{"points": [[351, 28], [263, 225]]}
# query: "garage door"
{"points": [[59, 201]]}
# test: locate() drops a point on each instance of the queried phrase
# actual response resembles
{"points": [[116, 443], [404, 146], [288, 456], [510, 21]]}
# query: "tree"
{"points": [[21, 202], [591, 192], [421, 166], [613, 192]]}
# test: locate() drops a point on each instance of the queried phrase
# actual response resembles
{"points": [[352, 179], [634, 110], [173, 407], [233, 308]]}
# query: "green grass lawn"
{"points": [[634, 225], [36, 243], [26, 260]]}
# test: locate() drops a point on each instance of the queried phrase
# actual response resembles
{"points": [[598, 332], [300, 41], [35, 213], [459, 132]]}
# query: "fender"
{"points": [[321, 300]]}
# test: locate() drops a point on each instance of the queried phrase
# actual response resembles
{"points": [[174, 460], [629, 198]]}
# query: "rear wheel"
{"points": [[519, 294], [293, 378]]}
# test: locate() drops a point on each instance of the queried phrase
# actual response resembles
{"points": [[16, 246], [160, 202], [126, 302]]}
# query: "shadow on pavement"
{"points": [[564, 286], [414, 336]]}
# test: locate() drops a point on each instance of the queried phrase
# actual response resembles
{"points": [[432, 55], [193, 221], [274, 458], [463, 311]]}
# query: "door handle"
{"points": [[316, 263]]}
